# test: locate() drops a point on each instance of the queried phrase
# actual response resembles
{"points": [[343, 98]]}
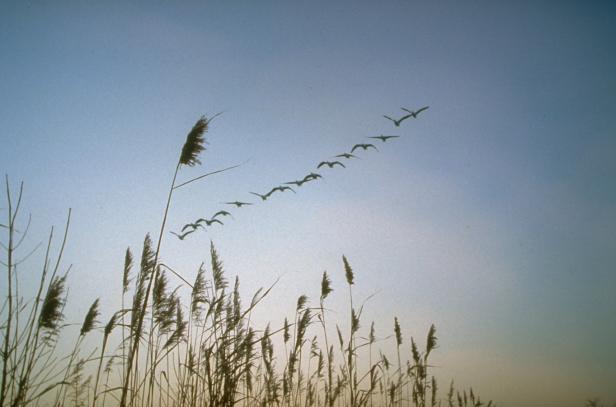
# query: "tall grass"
{"points": [[196, 344]]}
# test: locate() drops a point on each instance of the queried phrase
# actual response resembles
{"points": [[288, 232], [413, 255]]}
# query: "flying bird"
{"points": [[263, 197], [347, 155], [237, 203], [281, 189], [298, 183], [383, 138], [330, 164], [397, 122], [194, 226], [208, 222], [416, 112], [183, 235], [221, 213], [312, 176], [364, 146]]}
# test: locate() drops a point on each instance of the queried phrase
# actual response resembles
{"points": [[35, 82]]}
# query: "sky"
{"points": [[493, 216]]}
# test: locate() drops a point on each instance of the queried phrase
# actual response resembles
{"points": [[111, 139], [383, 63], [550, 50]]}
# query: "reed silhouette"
{"points": [[161, 350]]}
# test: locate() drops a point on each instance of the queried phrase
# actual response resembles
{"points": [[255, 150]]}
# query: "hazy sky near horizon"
{"points": [[493, 215]]}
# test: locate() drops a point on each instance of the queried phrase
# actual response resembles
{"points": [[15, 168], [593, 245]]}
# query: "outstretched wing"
{"points": [[405, 117], [385, 138], [356, 146], [422, 109], [322, 163], [339, 163], [387, 117], [260, 196]]}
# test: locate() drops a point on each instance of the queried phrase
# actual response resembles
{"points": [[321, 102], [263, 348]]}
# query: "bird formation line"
{"points": [[202, 223]]}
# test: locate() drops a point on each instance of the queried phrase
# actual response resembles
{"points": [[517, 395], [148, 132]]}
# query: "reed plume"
{"points": [[195, 143], [52, 310], [90, 318]]}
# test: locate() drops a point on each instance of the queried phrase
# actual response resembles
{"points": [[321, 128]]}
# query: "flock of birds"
{"points": [[202, 223]]}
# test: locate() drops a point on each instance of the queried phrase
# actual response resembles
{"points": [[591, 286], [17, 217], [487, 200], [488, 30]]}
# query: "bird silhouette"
{"points": [[183, 235], [237, 203], [397, 122], [281, 189], [347, 155], [298, 183], [364, 146], [312, 176], [208, 222], [416, 112], [263, 197], [221, 213], [383, 138], [194, 226], [330, 164]]}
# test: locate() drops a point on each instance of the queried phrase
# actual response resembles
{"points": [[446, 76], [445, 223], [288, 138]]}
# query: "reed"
{"points": [[196, 344]]}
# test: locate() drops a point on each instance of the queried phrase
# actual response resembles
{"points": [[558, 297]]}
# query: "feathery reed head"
{"points": [[195, 143], [198, 294], [111, 324], [51, 312], [431, 342], [128, 264], [159, 296], [147, 259], [371, 336], [397, 331], [415, 352], [301, 302], [90, 319], [326, 286], [220, 282], [348, 271]]}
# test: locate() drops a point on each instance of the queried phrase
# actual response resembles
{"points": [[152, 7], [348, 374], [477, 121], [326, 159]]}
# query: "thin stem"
{"points": [[135, 347]]}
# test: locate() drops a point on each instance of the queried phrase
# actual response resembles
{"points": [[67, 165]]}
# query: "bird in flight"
{"points": [[330, 164], [312, 176], [221, 213], [383, 138], [281, 189], [364, 146], [237, 203], [347, 155], [400, 120], [194, 226], [416, 112], [208, 222], [298, 183], [183, 235], [263, 197]]}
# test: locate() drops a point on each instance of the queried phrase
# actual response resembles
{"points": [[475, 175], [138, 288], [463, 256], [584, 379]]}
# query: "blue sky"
{"points": [[493, 216]]}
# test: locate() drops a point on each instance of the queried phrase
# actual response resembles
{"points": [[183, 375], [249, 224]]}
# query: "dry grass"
{"points": [[158, 350]]}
